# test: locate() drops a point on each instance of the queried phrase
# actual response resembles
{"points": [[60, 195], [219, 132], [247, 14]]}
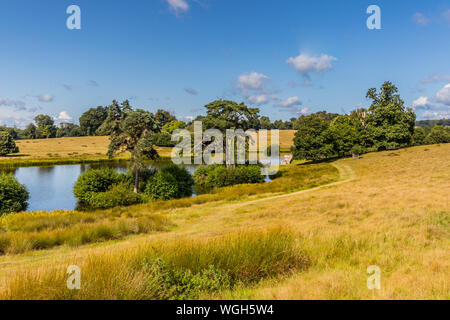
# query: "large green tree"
{"points": [[438, 134], [163, 117], [345, 133], [389, 123], [7, 144], [313, 140], [133, 131], [225, 114], [92, 119], [45, 126]]}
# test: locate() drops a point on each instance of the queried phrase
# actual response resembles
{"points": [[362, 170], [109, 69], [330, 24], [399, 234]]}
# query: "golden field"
{"points": [[60, 150], [390, 209]]}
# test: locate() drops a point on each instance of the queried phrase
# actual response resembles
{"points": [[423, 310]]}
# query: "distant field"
{"points": [[93, 148]]}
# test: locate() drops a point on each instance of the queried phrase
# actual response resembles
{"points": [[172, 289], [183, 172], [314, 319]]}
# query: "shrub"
{"points": [[163, 139], [172, 182], [438, 135], [117, 195], [216, 176], [94, 181], [7, 144], [13, 195]]}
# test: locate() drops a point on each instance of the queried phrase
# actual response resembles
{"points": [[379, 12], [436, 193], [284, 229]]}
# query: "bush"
{"points": [[164, 139], [172, 182], [438, 135], [117, 195], [13, 195], [216, 176], [95, 181], [7, 144]]}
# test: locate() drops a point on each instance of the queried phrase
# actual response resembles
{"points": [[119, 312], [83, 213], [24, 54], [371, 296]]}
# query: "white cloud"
{"points": [[11, 116], [289, 102], [420, 19], [305, 63], [258, 100], [421, 102], [443, 95], [45, 97], [64, 116], [434, 78], [436, 115], [178, 6], [252, 80], [17, 104]]}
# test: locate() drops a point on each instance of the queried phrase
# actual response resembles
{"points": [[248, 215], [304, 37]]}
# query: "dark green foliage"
{"points": [[95, 181], [312, 140], [216, 176], [162, 118], [345, 132], [13, 195], [389, 123], [92, 119], [69, 130], [177, 283], [438, 134], [418, 137], [45, 126], [117, 195], [225, 114], [30, 132], [163, 139], [172, 182], [429, 124], [7, 144]]}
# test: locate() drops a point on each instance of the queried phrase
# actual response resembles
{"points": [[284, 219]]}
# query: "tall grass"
{"points": [[178, 269], [44, 233]]}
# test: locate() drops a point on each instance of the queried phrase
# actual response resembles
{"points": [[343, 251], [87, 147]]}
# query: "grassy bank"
{"points": [[22, 232]]}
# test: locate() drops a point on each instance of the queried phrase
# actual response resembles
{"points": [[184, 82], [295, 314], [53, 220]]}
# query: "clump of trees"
{"points": [[386, 124], [13, 195]]}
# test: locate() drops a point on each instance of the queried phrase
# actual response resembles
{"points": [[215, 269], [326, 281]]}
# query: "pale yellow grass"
{"points": [[393, 211]]}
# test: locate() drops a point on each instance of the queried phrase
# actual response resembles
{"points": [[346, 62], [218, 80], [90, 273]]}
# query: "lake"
{"points": [[51, 187]]}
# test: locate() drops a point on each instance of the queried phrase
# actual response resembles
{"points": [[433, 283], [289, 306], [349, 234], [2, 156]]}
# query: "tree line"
{"points": [[386, 124]]}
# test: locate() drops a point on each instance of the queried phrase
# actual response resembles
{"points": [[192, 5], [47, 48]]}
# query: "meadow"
{"points": [[389, 209]]}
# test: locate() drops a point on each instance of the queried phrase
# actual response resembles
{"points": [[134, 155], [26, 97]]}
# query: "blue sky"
{"points": [[285, 57]]}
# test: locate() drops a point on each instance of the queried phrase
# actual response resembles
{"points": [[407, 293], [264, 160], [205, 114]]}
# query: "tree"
{"points": [[13, 195], [45, 126], [92, 119], [389, 123], [264, 123], [173, 125], [345, 133], [69, 130], [30, 132], [438, 135], [418, 137], [312, 140], [225, 114], [130, 131], [7, 144], [163, 117]]}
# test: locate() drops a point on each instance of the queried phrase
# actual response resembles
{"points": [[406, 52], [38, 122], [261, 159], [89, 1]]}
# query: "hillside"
{"points": [[389, 209]]}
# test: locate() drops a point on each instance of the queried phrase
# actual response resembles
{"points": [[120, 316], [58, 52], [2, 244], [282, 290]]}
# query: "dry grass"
{"points": [[64, 149], [395, 215]]}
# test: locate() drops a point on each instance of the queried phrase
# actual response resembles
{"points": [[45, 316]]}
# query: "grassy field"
{"points": [[390, 209], [86, 149]]}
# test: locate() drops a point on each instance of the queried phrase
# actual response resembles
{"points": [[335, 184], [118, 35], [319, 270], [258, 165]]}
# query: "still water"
{"points": [[51, 187]]}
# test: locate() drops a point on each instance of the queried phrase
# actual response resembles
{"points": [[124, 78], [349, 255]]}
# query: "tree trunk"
{"points": [[136, 180]]}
